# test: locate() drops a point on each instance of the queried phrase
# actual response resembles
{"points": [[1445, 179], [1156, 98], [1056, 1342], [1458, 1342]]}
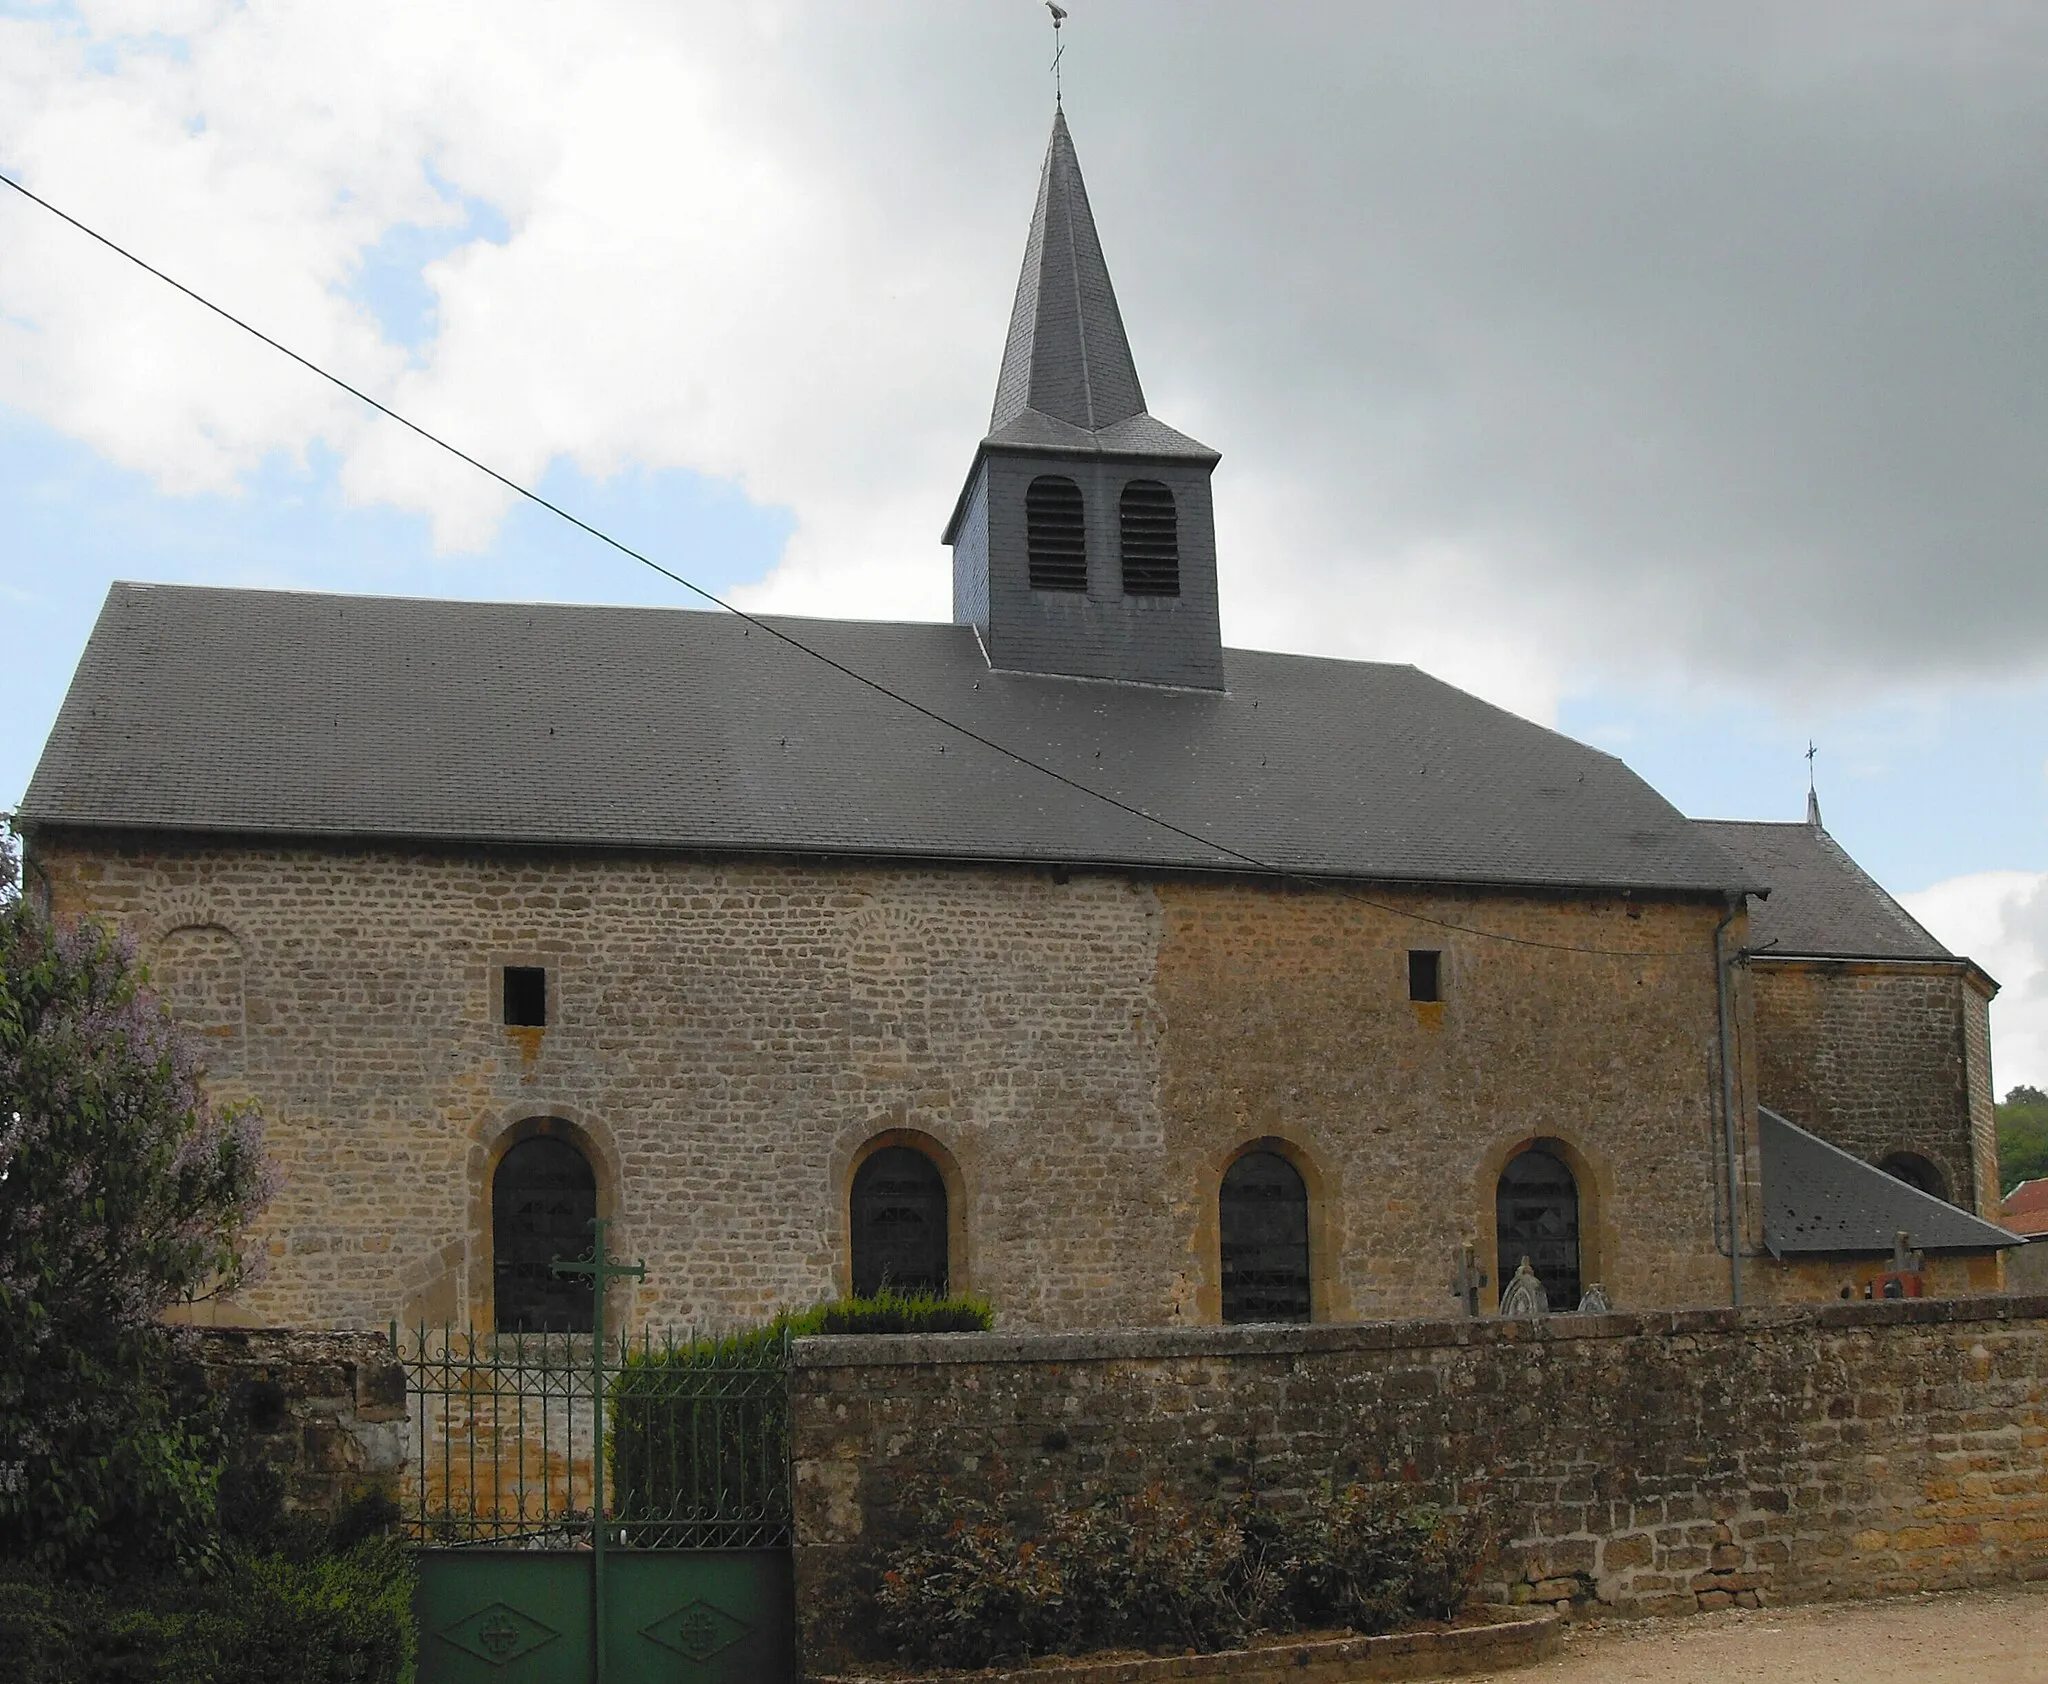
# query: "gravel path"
{"points": [[1962, 1637]]}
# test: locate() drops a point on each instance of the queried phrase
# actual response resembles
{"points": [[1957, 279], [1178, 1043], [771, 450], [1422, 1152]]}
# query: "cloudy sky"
{"points": [[1673, 374]]}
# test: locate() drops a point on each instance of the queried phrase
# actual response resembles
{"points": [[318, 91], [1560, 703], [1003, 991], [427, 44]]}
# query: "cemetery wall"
{"points": [[1652, 1463], [326, 1410]]}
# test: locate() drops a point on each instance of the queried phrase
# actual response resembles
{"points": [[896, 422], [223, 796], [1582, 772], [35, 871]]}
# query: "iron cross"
{"points": [[602, 1272]]}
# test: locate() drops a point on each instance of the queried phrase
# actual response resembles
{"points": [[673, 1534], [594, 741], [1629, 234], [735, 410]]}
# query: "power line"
{"points": [[1249, 861]]}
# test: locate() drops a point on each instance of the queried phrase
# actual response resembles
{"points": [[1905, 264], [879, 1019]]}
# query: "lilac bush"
{"points": [[123, 1191]]}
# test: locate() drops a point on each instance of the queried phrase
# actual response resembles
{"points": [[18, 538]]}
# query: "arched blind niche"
{"points": [[899, 1224], [1149, 533], [543, 1199], [1537, 1210], [1056, 534], [1263, 1219]]}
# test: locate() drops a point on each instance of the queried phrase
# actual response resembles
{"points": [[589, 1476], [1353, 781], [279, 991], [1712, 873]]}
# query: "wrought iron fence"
{"points": [[507, 1428]]}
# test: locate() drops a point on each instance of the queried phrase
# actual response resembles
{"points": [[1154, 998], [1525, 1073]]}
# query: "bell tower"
{"points": [[1084, 542]]}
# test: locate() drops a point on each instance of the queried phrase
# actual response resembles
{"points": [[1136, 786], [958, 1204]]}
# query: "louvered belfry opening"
{"points": [[1150, 531], [1056, 534]]}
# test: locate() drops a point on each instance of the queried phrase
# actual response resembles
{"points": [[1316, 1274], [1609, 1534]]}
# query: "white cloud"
{"points": [[2000, 919], [1542, 343]]}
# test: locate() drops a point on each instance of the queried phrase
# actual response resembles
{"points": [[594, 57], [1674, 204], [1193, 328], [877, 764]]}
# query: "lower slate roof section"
{"points": [[1820, 1200], [1823, 904], [296, 715]]}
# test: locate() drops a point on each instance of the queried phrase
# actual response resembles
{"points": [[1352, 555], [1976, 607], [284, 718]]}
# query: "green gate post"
{"points": [[602, 1272]]}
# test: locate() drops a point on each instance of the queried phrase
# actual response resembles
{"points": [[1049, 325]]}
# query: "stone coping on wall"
{"points": [[1512, 1638], [1143, 1344]]}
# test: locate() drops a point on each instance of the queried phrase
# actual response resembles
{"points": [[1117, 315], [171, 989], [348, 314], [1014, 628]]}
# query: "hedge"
{"points": [[264, 1619]]}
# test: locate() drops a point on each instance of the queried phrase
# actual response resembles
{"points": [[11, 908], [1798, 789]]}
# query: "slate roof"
{"points": [[1823, 904], [282, 713], [1067, 355], [1068, 380], [1819, 1199]]}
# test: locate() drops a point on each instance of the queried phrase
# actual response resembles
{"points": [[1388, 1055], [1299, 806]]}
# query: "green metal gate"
{"points": [[596, 1511]]}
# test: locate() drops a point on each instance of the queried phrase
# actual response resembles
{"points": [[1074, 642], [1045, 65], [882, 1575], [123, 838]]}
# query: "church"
{"points": [[1059, 954]]}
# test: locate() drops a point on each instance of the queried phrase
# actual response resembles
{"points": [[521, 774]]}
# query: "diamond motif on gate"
{"points": [[696, 1631], [498, 1635]]}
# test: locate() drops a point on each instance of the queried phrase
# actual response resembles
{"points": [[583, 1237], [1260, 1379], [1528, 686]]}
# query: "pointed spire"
{"points": [[1812, 809], [1067, 354]]}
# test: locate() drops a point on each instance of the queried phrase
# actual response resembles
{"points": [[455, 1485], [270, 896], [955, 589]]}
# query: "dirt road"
{"points": [[1964, 1637]]}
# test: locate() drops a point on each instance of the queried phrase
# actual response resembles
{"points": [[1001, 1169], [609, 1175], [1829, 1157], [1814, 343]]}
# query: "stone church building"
{"points": [[1064, 955]]}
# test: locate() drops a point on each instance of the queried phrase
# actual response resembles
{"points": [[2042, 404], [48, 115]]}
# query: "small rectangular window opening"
{"points": [[526, 997], [1425, 974]]}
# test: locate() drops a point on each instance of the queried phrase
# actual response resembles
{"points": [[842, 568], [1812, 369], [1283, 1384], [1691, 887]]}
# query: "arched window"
{"points": [[1149, 532], [543, 1199], [899, 1224], [1538, 1214], [1263, 1220], [1915, 1171], [1056, 534]]}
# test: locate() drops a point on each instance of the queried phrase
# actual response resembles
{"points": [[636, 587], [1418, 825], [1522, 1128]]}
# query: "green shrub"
{"points": [[1146, 1572], [1149, 1572], [33, 1635], [1371, 1558], [699, 1440], [975, 1595], [337, 1619], [1451, 1554], [890, 1311], [1351, 1560]]}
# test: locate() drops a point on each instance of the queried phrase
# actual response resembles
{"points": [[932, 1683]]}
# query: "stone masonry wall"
{"points": [[1286, 1016], [1874, 1059], [1977, 1081], [1653, 1463], [1082, 1053], [327, 1410]]}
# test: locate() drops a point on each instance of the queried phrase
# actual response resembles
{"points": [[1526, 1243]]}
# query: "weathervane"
{"points": [[1059, 50], [1811, 751]]}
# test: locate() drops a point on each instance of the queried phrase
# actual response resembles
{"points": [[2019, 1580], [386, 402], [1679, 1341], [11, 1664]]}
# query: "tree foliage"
{"points": [[2022, 1136], [123, 1190]]}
